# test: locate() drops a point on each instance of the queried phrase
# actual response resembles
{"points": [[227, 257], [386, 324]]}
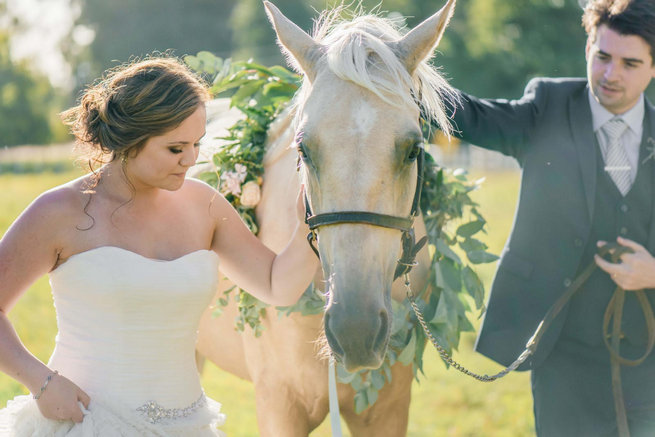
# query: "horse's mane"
{"points": [[356, 50]]}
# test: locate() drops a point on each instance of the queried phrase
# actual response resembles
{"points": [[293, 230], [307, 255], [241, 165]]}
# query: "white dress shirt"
{"points": [[631, 138]]}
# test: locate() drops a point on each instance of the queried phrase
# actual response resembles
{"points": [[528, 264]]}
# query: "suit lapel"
{"points": [[582, 132], [648, 142]]}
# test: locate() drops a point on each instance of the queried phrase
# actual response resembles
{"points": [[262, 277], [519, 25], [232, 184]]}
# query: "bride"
{"points": [[132, 250]]}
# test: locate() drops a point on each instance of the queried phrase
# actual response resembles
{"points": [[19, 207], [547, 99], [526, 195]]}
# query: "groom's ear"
{"points": [[300, 49]]}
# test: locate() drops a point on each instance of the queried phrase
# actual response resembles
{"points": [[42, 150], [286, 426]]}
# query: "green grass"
{"points": [[444, 403]]}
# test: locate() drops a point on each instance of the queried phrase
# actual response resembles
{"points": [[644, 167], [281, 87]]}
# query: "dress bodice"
{"points": [[128, 324]]}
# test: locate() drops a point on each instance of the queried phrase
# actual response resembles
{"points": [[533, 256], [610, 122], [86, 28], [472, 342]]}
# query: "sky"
{"points": [[46, 23]]}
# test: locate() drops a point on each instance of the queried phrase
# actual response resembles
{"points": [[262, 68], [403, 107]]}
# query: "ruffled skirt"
{"points": [[22, 418]]}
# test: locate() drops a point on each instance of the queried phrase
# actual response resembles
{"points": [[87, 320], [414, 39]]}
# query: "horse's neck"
{"points": [[276, 212], [279, 137]]}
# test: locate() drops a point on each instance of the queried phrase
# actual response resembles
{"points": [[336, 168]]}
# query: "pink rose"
{"points": [[231, 183], [250, 194], [241, 171]]}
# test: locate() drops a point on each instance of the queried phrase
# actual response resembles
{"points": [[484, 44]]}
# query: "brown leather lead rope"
{"points": [[613, 312]]}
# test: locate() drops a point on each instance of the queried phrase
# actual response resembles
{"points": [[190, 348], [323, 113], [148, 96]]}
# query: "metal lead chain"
{"points": [[447, 358]]}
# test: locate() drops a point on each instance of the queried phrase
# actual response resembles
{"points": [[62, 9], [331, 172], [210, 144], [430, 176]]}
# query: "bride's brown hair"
{"points": [[128, 105], [132, 103]]}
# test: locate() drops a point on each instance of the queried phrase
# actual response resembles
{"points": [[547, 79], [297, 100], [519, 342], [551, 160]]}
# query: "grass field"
{"points": [[444, 403]]}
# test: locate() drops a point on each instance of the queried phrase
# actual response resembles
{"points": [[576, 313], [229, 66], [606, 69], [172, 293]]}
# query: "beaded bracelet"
{"points": [[45, 384]]}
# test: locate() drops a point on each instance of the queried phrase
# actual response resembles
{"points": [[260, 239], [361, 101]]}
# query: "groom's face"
{"points": [[619, 68]]}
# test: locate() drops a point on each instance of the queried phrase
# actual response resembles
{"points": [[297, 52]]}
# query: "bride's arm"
{"points": [[28, 250], [275, 279]]}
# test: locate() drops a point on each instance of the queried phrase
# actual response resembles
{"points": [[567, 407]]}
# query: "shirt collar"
{"points": [[633, 117]]}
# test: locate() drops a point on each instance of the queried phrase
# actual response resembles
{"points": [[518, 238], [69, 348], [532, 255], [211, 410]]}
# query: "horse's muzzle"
{"points": [[357, 341]]}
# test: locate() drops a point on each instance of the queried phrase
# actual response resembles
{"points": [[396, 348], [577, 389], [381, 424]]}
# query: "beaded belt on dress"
{"points": [[155, 413]]}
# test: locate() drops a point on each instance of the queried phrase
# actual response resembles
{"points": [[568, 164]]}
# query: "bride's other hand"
{"points": [[60, 400]]}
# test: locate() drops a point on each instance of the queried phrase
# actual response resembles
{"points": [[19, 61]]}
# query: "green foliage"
{"points": [[25, 101], [260, 93]]}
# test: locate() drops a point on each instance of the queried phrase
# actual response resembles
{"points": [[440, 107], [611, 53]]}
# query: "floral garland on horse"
{"points": [[261, 93]]}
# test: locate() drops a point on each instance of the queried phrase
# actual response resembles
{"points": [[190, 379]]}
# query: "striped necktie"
{"points": [[617, 164]]}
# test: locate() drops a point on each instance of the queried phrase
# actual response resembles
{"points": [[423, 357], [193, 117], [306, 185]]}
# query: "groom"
{"points": [[586, 149]]}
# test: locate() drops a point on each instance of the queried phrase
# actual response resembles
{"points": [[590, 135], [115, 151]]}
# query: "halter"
{"points": [[404, 224]]}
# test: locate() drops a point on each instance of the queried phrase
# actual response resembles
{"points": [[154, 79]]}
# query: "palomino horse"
{"points": [[355, 124]]}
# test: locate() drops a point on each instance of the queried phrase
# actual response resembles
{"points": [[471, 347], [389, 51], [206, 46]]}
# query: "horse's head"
{"points": [[359, 135]]}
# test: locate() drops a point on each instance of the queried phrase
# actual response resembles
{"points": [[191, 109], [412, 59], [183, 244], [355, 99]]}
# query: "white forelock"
{"points": [[357, 51]]}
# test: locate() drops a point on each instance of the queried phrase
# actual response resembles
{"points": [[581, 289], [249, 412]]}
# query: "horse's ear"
{"points": [[420, 42], [301, 49]]}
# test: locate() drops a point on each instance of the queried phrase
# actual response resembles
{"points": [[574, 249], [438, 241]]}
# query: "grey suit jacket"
{"points": [[549, 132]]}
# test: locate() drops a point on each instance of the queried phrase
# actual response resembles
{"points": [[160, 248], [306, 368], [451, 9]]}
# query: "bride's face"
{"points": [[164, 160]]}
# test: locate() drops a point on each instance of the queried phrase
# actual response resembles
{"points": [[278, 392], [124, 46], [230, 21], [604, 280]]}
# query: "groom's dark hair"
{"points": [[627, 17]]}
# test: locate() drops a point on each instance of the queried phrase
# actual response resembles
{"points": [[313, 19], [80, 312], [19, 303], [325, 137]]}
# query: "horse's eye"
{"points": [[302, 152], [414, 152]]}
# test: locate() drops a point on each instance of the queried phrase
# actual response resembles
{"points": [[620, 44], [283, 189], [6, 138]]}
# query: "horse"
{"points": [[355, 128]]}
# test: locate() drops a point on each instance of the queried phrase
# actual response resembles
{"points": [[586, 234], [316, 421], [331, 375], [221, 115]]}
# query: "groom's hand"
{"points": [[636, 270]]}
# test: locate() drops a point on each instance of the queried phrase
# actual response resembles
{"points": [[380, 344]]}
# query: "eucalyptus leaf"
{"points": [[441, 315], [361, 402], [468, 229], [446, 251], [465, 325], [407, 354], [481, 256], [448, 275], [377, 379], [473, 286], [284, 74], [371, 395], [357, 382], [246, 92], [471, 244]]}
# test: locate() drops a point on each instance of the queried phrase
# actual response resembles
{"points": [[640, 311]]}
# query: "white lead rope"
{"points": [[335, 419]]}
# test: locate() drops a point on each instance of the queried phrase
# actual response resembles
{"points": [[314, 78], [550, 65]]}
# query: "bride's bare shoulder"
{"points": [[198, 190], [49, 218], [64, 200], [203, 195]]}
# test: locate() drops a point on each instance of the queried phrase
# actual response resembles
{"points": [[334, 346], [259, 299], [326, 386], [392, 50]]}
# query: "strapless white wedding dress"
{"points": [[127, 334]]}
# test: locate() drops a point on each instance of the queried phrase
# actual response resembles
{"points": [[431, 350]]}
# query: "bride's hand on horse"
{"points": [[636, 270], [60, 400]]}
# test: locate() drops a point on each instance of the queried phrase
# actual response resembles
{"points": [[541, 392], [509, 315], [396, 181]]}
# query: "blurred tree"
{"points": [[493, 47], [127, 28], [253, 35], [26, 101]]}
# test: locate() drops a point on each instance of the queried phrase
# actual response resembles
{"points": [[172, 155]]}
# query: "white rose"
{"points": [[250, 194]]}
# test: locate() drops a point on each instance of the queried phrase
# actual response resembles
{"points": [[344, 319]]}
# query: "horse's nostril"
{"points": [[382, 337], [332, 340]]}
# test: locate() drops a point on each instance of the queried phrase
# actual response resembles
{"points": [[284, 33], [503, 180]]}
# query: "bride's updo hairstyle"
{"points": [[130, 104]]}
